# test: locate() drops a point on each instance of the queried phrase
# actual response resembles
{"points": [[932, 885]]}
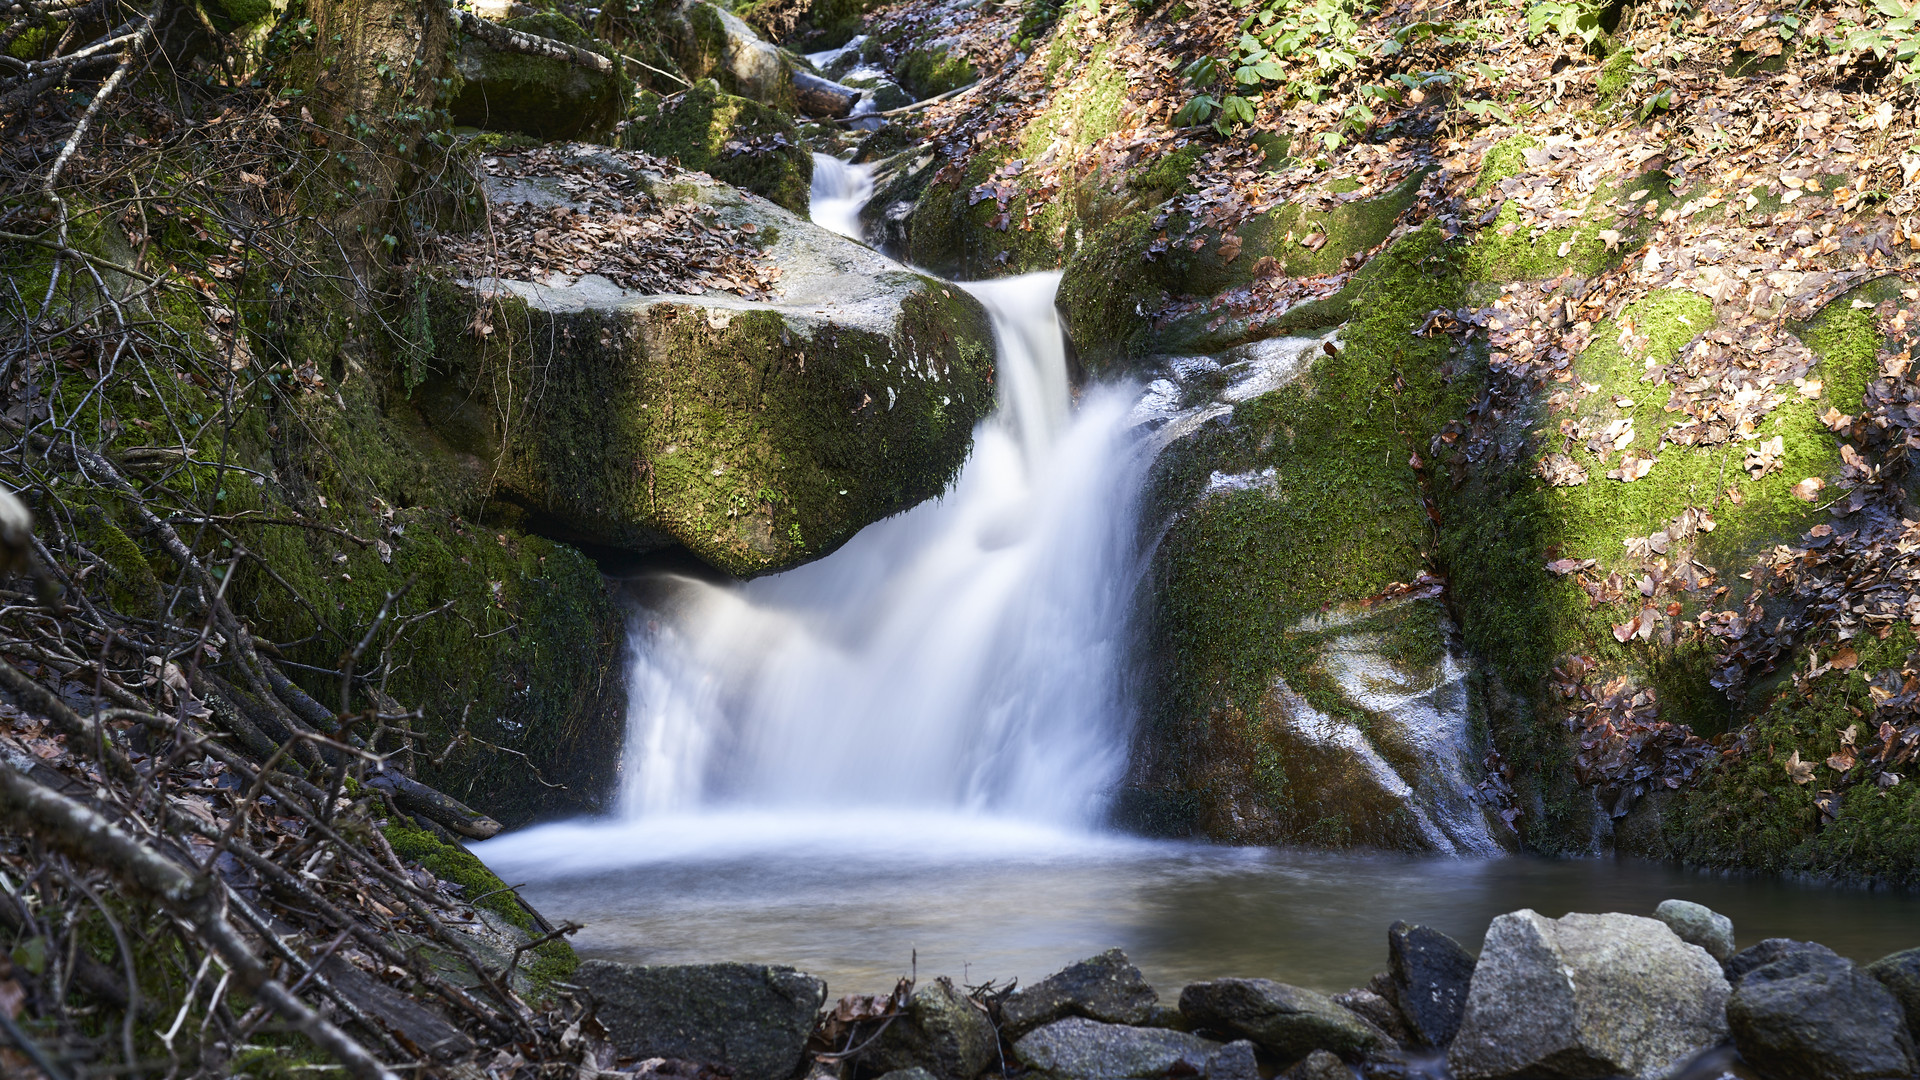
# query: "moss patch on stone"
{"points": [[755, 442], [536, 95], [732, 139], [1238, 570]]}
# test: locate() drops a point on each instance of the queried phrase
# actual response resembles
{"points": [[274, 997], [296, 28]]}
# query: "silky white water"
{"points": [[838, 193], [952, 676]]}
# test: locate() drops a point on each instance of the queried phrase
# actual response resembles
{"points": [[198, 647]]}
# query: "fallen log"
{"points": [[823, 97]]}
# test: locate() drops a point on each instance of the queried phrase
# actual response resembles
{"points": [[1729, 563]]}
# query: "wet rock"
{"points": [[1319, 1065], [1900, 973], [540, 96], [1812, 1015], [1235, 1061], [1106, 988], [1771, 951], [1375, 1010], [1288, 1021], [1080, 1049], [1697, 924], [942, 1031], [1587, 996], [915, 1073], [1430, 973], [751, 1018]]}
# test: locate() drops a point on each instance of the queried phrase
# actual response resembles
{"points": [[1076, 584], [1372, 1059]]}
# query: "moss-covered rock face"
{"points": [[735, 139], [1303, 688], [1122, 278], [710, 42], [536, 95], [758, 435], [1651, 519]]}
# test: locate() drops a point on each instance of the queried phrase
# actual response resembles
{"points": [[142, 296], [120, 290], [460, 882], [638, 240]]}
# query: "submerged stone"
{"points": [[1585, 997], [751, 1018], [1106, 988]]}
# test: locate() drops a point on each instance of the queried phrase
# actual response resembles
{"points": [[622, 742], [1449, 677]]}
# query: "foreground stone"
{"points": [[1431, 974], [1697, 924], [1900, 973], [751, 1018], [1587, 996], [1106, 987], [1286, 1020], [756, 434], [942, 1031], [1319, 1065], [1812, 1015], [1080, 1049]]}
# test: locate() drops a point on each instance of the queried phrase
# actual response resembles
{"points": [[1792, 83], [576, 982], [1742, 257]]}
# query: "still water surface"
{"points": [[1000, 901]]}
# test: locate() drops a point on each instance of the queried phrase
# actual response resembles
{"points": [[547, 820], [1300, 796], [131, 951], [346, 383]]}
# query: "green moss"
{"points": [[1848, 343], [1239, 572], [554, 960], [1114, 279], [1503, 161], [733, 139], [731, 434], [1749, 814], [932, 70], [1616, 74], [537, 95]]}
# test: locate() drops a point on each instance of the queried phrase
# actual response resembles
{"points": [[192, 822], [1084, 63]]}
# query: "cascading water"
{"points": [[960, 662], [839, 192]]}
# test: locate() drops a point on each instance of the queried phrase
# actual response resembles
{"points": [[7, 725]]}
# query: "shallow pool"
{"points": [[855, 897]]}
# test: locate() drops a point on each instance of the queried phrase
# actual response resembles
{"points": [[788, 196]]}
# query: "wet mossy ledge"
{"points": [[755, 434]]}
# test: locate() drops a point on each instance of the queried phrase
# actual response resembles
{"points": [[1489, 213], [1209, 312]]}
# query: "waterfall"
{"points": [[955, 671], [839, 192], [965, 656]]}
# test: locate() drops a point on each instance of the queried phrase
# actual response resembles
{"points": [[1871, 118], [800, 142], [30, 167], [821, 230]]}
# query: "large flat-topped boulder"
{"points": [[641, 356]]}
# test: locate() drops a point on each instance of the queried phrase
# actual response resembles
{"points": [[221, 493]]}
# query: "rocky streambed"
{"points": [[1583, 997]]}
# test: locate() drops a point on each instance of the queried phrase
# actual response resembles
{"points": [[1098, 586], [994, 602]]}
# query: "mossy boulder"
{"points": [[1649, 552], [536, 95], [735, 139], [1303, 683], [709, 42], [1128, 270], [758, 435]]}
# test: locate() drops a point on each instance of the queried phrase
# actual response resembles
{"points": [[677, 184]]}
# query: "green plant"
{"points": [[1568, 18], [1313, 49], [1894, 39]]}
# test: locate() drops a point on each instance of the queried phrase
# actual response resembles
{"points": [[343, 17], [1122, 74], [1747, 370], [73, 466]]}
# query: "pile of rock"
{"points": [[1582, 997]]}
